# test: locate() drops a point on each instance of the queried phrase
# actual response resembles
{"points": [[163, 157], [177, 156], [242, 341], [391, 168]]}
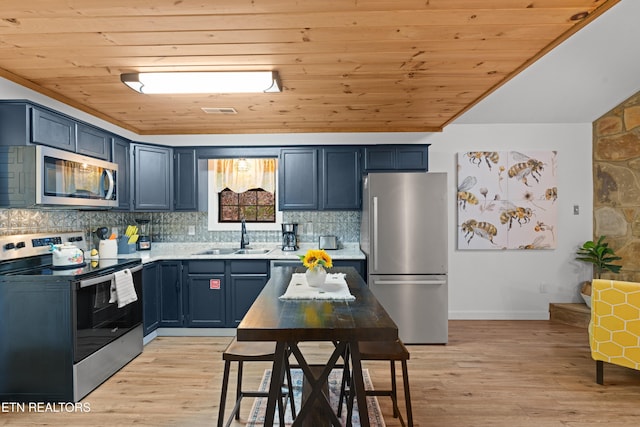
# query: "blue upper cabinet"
{"points": [[23, 123], [93, 142], [298, 179], [121, 156], [340, 178], [386, 158], [152, 177], [185, 171], [55, 130]]}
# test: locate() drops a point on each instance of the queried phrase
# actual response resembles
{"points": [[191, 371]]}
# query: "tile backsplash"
{"points": [[174, 226]]}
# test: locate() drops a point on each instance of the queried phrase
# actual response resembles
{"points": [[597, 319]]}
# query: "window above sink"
{"points": [[216, 188]]}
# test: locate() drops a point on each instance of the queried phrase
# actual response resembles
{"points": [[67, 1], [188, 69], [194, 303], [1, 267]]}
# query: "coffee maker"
{"points": [[289, 237]]}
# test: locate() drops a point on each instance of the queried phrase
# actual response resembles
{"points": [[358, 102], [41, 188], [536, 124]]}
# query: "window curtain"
{"points": [[240, 175]]}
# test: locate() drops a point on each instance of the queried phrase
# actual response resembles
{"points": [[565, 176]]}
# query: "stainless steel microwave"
{"points": [[44, 176]]}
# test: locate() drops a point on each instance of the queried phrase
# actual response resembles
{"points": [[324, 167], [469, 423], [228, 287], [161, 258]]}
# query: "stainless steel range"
{"points": [[61, 330]]}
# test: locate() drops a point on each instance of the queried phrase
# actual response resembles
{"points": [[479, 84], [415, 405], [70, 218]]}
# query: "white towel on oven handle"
{"points": [[122, 289]]}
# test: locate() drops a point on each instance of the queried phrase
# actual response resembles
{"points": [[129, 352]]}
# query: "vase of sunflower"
{"points": [[316, 260]]}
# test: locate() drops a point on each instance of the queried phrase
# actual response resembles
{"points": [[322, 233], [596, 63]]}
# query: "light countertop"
{"points": [[188, 251]]}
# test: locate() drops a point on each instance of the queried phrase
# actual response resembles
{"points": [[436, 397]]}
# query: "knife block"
{"points": [[124, 247]]}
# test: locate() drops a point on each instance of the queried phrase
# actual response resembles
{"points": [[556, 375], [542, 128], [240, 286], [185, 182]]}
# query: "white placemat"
{"points": [[335, 288]]}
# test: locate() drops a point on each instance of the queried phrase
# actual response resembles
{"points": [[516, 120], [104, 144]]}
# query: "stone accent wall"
{"points": [[616, 183]]}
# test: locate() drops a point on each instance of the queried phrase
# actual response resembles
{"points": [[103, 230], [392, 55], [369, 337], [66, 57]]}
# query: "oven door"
{"points": [[98, 322]]}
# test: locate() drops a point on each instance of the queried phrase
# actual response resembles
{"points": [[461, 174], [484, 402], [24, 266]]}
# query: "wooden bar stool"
{"points": [[380, 351], [251, 351]]}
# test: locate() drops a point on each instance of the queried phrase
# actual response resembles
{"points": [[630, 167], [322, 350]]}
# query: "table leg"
{"points": [[277, 373], [316, 384], [358, 383]]}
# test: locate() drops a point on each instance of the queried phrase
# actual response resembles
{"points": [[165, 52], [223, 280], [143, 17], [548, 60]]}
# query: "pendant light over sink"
{"points": [[203, 82]]}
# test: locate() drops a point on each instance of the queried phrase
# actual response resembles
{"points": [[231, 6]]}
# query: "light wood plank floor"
{"points": [[492, 373]]}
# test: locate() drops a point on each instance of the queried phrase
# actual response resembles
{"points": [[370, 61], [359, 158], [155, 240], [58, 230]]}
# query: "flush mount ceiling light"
{"points": [[203, 82]]}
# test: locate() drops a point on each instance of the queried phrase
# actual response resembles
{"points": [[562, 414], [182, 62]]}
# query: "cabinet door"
{"points": [[379, 158], [150, 298], [171, 307], [247, 278], [51, 129], [185, 180], [93, 142], [244, 291], [413, 158], [153, 183], [341, 178], [121, 156], [396, 158], [206, 300], [298, 179]]}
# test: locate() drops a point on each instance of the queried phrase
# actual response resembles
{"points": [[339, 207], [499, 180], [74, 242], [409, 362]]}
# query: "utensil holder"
{"points": [[124, 247]]}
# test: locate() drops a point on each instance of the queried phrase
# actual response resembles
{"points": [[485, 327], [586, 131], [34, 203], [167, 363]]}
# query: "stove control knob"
{"points": [[9, 246], [20, 245]]}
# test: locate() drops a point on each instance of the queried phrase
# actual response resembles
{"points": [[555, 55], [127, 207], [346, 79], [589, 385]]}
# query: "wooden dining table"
{"points": [[293, 321]]}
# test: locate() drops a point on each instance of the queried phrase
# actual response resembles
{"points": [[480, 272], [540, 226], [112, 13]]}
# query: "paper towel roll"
{"points": [[108, 249]]}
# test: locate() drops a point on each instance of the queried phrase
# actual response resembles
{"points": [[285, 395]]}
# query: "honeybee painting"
{"points": [[512, 212], [527, 166], [507, 199], [464, 195], [483, 229], [475, 157]]}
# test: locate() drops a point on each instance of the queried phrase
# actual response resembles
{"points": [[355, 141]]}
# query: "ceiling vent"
{"points": [[224, 110]]}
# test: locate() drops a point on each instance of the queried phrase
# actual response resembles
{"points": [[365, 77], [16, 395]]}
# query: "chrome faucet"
{"points": [[244, 237]]}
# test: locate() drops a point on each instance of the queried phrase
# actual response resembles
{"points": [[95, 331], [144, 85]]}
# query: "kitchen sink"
{"points": [[217, 251], [233, 251], [251, 251]]}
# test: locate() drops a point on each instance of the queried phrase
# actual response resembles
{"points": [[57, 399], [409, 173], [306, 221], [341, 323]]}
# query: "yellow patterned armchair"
{"points": [[614, 330]]}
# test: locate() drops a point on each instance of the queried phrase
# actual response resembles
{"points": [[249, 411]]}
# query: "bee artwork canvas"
{"points": [[507, 200]]}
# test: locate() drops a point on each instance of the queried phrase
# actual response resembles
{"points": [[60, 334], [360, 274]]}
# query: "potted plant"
{"points": [[601, 256], [316, 260]]}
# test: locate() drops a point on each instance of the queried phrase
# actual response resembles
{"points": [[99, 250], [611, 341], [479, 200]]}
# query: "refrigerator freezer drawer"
{"points": [[417, 303]]}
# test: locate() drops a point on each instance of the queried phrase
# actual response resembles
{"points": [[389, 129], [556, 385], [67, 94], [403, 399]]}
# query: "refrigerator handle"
{"points": [[410, 282], [375, 233]]}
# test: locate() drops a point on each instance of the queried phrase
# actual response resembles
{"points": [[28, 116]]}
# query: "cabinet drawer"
{"points": [[206, 267], [257, 266]]}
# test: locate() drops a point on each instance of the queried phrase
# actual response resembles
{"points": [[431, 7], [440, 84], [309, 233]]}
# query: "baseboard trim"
{"points": [[498, 315]]}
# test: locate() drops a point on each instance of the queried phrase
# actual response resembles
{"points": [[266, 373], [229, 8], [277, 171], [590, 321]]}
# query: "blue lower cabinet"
{"points": [[150, 297], [247, 278], [171, 305], [208, 293], [244, 290], [206, 301]]}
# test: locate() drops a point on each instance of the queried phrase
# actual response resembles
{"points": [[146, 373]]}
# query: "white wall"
{"points": [[482, 285], [519, 284]]}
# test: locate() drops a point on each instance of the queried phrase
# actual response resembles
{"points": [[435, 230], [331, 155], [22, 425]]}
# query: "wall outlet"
{"points": [[192, 230]]}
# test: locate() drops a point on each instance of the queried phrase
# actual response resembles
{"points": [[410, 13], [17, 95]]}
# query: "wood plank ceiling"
{"points": [[346, 65]]}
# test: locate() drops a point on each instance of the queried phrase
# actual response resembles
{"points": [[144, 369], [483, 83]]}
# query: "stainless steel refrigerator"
{"points": [[404, 235]]}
